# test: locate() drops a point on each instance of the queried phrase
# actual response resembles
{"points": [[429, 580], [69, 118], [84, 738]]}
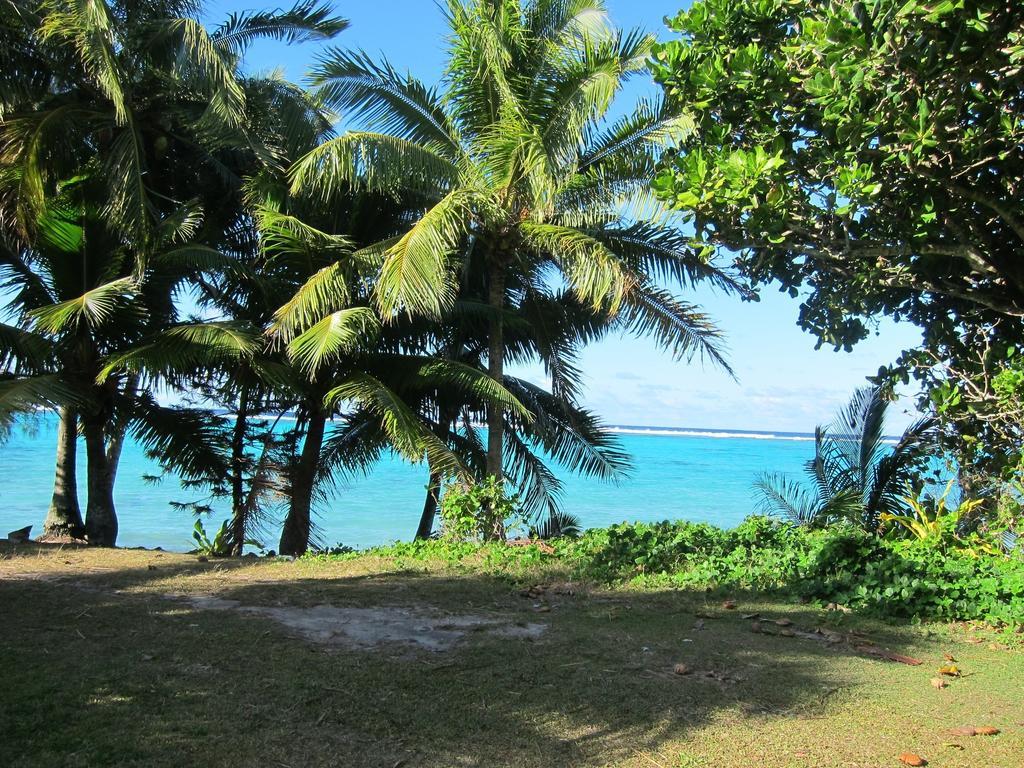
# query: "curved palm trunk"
{"points": [[496, 370], [238, 505], [426, 526], [295, 534], [100, 514], [447, 416], [64, 517]]}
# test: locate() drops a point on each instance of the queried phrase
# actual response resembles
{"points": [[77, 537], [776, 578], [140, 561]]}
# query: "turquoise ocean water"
{"points": [[692, 474]]}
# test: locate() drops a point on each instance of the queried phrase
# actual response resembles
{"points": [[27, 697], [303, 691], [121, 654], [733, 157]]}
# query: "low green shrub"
{"points": [[913, 579], [760, 553], [839, 564], [476, 511]]}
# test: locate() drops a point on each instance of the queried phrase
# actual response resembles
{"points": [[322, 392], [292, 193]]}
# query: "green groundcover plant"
{"points": [[841, 564]]}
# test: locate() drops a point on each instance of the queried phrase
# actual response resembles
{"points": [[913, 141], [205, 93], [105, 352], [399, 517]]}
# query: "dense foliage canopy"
{"points": [[868, 157], [868, 152]]}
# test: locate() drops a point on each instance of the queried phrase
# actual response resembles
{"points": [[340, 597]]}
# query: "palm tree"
{"points": [[146, 103], [77, 298], [522, 182], [349, 362], [854, 475]]}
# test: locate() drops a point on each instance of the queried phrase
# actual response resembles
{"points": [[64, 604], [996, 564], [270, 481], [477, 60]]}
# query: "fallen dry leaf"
{"points": [[729, 605], [950, 670], [783, 623], [949, 657], [938, 682], [881, 653], [909, 758], [681, 669], [748, 616], [965, 731], [787, 633], [986, 730]]}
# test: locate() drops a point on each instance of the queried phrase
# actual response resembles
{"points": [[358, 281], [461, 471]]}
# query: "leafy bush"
{"points": [[760, 552], [218, 546], [914, 579], [478, 511]]}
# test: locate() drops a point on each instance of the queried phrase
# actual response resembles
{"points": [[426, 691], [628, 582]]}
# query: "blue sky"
{"points": [[783, 382]]}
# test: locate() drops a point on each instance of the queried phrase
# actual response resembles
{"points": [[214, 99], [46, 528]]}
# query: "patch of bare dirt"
{"points": [[372, 628]]}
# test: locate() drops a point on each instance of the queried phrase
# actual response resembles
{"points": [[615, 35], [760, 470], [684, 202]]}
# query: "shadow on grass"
{"points": [[95, 677]]}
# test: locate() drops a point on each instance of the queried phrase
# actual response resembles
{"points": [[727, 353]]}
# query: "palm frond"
{"points": [[306, 21], [384, 100], [94, 307], [22, 351], [128, 206], [846, 505], [191, 442], [375, 162], [679, 327], [407, 433], [662, 252], [322, 294], [207, 65], [857, 433], [185, 349], [892, 472], [572, 436], [89, 26], [455, 376], [558, 524], [340, 332], [351, 448], [583, 82], [787, 498], [594, 272], [559, 23], [25, 394], [650, 128], [282, 233], [416, 275], [481, 75], [538, 488]]}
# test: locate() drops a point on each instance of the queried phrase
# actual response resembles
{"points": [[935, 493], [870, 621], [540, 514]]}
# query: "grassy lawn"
{"points": [[105, 660]]}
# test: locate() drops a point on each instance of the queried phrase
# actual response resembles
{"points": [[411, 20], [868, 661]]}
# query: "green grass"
{"points": [[100, 667]]}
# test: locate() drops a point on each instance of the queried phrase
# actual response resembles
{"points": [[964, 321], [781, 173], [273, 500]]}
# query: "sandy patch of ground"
{"points": [[371, 628]]}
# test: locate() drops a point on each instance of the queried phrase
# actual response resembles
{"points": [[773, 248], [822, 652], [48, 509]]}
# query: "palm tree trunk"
{"points": [[496, 370], [100, 515], [64, 518], [238, 515], [295, 535], [102, 459], [426, 526]]}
